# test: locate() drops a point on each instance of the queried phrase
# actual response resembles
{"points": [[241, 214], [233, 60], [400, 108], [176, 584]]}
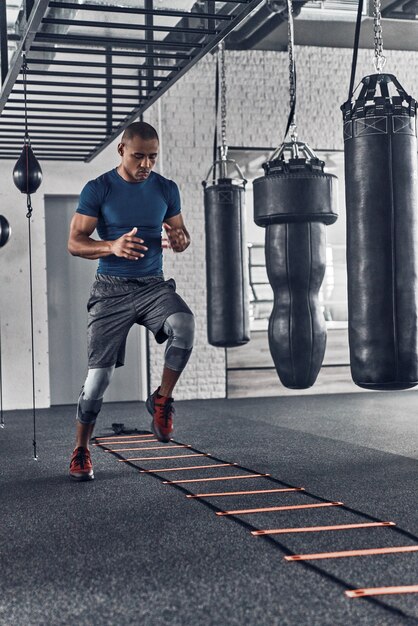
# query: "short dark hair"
{"points": [[139, 129]]}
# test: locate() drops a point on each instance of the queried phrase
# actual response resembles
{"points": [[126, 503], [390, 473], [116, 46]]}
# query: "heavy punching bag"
{"points": [[382, 233], [228, 319], [226, 264], [294, 201]]}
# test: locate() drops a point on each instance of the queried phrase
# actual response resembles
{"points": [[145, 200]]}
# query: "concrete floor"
{"points": [[129, 549]]}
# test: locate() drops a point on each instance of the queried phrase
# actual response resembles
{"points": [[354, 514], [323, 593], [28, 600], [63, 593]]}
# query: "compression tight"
{"points": [[179, 327]]}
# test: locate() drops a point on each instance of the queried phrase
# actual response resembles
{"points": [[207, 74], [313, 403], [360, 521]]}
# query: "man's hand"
{"points": [[178, 238], [128, 246]]}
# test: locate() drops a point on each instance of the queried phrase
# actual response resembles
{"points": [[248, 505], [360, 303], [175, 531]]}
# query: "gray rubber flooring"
{"points": [[129, 549]]}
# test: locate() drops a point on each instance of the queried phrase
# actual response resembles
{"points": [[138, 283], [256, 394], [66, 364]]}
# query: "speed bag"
{"points": [[226, 265], [27, 172], [380, 148], [295, 201], [4, 231]]}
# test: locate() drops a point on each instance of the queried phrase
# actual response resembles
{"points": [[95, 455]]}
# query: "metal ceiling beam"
{"points": [[118, 25], [34, 132], [44, 142], [64, 104], [34, 20], [149, 36], [4, 50], [45, 157], [62, 151], [137, 11], [49, 121], [177, 56], [250, 7], [70, 94], [109, 89], [142, 66], [89, 85], [44, 109], [85, 40]]}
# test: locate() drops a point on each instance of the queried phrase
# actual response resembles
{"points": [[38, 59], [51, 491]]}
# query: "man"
{"points": [[129, 205]]}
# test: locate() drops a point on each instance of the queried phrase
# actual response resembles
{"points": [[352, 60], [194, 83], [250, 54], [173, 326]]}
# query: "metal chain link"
{"points": [[223, 96], [292, 84], [379, 58]]}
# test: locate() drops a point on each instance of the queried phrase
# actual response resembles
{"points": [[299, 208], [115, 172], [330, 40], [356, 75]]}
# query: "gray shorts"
{"points": [[117, 303]]}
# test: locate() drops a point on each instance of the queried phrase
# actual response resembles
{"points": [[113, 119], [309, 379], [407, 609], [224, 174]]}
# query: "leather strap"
{"points": [[355, 49]]}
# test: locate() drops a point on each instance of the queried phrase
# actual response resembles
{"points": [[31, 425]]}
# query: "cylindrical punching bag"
{"points": [[380, 147], [5, 231], [294, 201], [226, 265]]}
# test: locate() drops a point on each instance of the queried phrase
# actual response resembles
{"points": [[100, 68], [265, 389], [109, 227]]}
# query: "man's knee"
{"points": [[88, 410], [180, 330], [91, 397]]}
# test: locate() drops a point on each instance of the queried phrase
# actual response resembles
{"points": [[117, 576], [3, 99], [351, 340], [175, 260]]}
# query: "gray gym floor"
{"points": [[129, 549]]}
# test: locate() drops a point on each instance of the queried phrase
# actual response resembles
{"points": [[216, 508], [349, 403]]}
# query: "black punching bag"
{"points": [[226, 264], [27, 173], [382, 234], [294, 201], [4, 231]]}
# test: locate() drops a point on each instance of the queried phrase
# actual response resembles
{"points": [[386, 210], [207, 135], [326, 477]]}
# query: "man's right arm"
{"points": [[81, 244]]}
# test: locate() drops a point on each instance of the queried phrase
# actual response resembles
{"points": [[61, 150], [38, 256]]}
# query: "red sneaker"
{"points": [[81, 467], [162, 411]]}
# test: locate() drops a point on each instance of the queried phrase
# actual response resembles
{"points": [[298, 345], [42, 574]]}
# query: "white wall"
{"points": [[257, 112], [58, 178]]}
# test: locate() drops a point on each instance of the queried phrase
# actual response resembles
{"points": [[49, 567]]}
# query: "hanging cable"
{"points": [[32, 330], [355, 50], [29, 216]]}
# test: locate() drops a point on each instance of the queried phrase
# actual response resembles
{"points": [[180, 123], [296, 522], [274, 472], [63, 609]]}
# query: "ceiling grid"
{"points": [[95, 66]]}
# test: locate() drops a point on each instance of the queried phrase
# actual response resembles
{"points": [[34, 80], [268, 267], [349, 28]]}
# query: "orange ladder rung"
{"points": [[155, 458], [381, 591], [279, 508], [204, 480], [239, 493], [312, 529], [347, 553], [150, 448], [117, 438], [186, 469]]}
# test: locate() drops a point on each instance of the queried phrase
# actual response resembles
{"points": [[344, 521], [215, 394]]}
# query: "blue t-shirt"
{"points": [[119, 206]]}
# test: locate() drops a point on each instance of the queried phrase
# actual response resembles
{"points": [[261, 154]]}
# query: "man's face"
{"points": [[138, 157]]}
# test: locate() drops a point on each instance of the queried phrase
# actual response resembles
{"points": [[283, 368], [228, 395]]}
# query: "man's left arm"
{"points": [[177, 233]]}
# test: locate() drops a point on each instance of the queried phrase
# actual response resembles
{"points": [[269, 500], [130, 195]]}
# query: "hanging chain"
{"points": [[292, 81], [224, 148], [379, 58]]}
